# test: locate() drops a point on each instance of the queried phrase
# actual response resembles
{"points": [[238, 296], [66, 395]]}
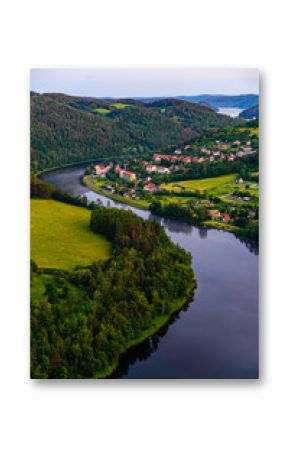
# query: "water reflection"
{"points": [[218, 335], [145, 349], [202, 233], [177, 226], [252, 245]]}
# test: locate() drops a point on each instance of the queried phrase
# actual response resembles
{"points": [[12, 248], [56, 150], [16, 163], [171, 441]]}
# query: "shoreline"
{"points": [[158, 324], [112, 196], [204, 224], [133, 203]]}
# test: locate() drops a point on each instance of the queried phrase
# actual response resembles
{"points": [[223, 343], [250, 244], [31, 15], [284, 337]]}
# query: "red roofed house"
{"points": [[214, 213], [127, 175], [151, 168], [150, 187], [157, 157]]}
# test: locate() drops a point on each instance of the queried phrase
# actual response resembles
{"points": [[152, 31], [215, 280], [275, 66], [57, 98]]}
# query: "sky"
{"points": [[139, 82]]}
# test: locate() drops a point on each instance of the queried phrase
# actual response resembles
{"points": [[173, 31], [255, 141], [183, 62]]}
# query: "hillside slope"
{"points": [[225, 101], [250, 113], [67, 129]]}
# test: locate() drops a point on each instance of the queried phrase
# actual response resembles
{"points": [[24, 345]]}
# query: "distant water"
{"points": [[232, 112]]}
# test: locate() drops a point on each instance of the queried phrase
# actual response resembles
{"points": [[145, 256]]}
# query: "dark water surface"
{"points": [[216, 335]]}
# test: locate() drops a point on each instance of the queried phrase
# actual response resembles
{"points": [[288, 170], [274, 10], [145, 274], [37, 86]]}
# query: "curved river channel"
{"points": [[216, 335]]}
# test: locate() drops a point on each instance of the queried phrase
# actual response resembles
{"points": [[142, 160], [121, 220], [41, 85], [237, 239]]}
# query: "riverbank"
{"points": [[87, 181], [191, 344], [250, 233], [157, 325]]}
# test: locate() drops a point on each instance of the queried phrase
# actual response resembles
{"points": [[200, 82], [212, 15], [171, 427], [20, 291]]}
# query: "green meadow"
{"points": [[61, 236], [120, 105], [200, 184], [102, 111]]}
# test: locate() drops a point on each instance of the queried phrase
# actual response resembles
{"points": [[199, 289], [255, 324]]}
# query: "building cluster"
{"points": [[101, 170], [223, 151], [125, 174]]}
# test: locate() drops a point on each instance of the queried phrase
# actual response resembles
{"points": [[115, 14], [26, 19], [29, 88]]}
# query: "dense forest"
{"points": [[84, 319], [68, 129]]}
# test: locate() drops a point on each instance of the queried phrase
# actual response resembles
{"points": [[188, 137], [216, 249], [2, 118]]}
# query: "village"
{"points": [[168, 178]]}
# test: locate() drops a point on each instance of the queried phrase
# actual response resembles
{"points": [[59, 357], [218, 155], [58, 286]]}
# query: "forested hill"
{"points": [[250, 113], [225, 101], [67, 129]]}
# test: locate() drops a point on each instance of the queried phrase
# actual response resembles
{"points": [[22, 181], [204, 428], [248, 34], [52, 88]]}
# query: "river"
{"points": [[216, 335]]}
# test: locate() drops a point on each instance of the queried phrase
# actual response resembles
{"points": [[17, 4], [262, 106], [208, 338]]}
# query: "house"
{"points": [[126, 175], [195, 159], [101, 170], [157, 157], [205, 150], [144, 163], [214, 214], [239, 181], [151, 168], [178, 151], [241, 154], [236, 142], [175, 167], [211, 158], [201, 159], [226, 218], [150, 187], [187, 147], [163, 170], [132, 193], [216, 152], [231, 157], [246, 198], [187, 159]]}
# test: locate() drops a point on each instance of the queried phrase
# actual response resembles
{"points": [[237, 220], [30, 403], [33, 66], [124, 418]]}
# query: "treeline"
{"points": [[173, 210], [197, 214], [68, 129], [86, 318], [41, 189]]}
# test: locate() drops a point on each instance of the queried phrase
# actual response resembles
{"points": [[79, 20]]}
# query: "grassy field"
{"points": [[61, 236], [200, 184], [252, 131], [102, 111], [120, 105]]}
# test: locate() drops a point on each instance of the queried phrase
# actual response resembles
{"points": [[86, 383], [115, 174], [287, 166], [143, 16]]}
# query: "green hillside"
{"points": [[67, 129]]}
